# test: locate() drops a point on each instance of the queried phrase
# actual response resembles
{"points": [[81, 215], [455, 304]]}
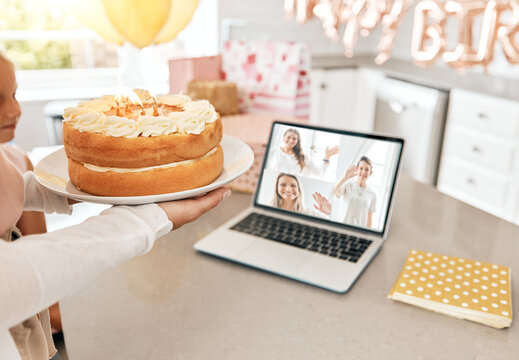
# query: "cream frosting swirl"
{"points": [[89, 122], [70, 114], [89, 116], [156, 125], [187, 122], [120, 127], [203, 108]]}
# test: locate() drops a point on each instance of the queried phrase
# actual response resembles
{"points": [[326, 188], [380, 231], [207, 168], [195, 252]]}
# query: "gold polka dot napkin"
{"points": [[458, 287]]}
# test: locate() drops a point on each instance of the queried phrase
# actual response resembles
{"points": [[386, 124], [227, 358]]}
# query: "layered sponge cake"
{"points": [[156, 146]]}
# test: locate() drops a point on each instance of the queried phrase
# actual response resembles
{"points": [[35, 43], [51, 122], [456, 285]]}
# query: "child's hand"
{"points": [[181, 212]]}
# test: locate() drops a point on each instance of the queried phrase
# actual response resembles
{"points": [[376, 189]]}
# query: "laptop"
{"points": [[321, 209]]}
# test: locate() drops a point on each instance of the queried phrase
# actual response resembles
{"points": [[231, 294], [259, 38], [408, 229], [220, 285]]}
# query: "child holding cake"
{"points": [[38, 270]]}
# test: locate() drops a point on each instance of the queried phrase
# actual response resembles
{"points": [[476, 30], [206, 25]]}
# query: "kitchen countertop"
{"points": [[174, 303], [440, 77]]}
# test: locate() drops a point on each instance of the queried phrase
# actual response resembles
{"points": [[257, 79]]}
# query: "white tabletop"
{"points": [[174, 303]]}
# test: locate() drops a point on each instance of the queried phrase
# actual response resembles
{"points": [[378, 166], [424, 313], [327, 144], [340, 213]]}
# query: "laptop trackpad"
{"points": [[275, 257]]}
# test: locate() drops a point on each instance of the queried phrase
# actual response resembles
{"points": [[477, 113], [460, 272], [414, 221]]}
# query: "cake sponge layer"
{"points": [[138, 152], [151, 182]]}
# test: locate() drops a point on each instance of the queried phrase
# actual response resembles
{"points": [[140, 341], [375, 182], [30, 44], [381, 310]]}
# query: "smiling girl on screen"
{"points": [[360, 201], [288, 195], [289, 157]]}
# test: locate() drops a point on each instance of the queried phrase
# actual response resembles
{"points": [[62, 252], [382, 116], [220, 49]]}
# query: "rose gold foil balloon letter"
{"points": [[506, 33], [464, 54], [329, 12], [351, 31], [428, 40], [363, 17], [390, 23], [303, 9]]}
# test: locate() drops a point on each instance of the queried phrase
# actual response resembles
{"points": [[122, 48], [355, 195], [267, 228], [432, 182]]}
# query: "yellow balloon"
{"points": [[92, 14], [179, 16], [138, 21]]}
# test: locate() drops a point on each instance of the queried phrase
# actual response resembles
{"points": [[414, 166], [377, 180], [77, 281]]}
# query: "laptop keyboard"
{"points": [[331, 243]]}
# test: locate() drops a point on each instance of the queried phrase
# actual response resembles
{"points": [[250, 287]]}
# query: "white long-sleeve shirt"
{"points": [[38, 270], [287, 163], [358, 202]]}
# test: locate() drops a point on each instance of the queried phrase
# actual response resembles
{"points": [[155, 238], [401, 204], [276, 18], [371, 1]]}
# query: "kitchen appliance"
{"points": [[327, 251], [416, 113]]}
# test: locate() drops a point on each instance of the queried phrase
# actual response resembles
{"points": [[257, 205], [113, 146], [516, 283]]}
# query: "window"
{"points": [[52, 49], [38, 35]]}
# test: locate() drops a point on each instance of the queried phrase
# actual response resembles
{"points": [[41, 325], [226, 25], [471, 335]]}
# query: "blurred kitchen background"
{"points": [[461, 129]]}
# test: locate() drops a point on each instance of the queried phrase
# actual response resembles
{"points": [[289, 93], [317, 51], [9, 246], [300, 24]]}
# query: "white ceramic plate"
{"points": [[52, 172]]}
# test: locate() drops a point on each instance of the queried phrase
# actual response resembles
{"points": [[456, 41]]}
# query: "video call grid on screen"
{"points": [[352, 185]]}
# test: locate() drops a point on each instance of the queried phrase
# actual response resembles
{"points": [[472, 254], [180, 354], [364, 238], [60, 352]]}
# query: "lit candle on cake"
{"points": [[155, 106], [126, 104], [119, 97], [118, 105], [134, 98]]}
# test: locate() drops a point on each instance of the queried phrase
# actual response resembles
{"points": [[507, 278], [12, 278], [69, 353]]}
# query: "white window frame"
{"points": [[200, 38]]}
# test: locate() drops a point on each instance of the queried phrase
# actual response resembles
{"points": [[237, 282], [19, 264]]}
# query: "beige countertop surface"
{"points": [[174, 303], [440, 77]]}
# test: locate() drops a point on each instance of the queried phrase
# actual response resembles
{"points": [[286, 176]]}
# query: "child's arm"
{"points": [[38, 270], [32, 222]]}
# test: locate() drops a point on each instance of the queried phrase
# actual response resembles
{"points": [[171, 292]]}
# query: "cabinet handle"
{"points": [[323, 86], [397, 107], [471, 181]]}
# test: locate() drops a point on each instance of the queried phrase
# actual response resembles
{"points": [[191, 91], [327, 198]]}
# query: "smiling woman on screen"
{"points": [[288, 195], [289, 157], [359, 200]]}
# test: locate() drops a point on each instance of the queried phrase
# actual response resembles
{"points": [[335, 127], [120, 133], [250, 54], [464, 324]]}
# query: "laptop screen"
{"points": [[331, 175]]}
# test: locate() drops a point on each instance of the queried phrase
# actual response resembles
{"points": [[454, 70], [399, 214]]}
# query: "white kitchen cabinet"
{"points": [[480, 163], [344, 98]]}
